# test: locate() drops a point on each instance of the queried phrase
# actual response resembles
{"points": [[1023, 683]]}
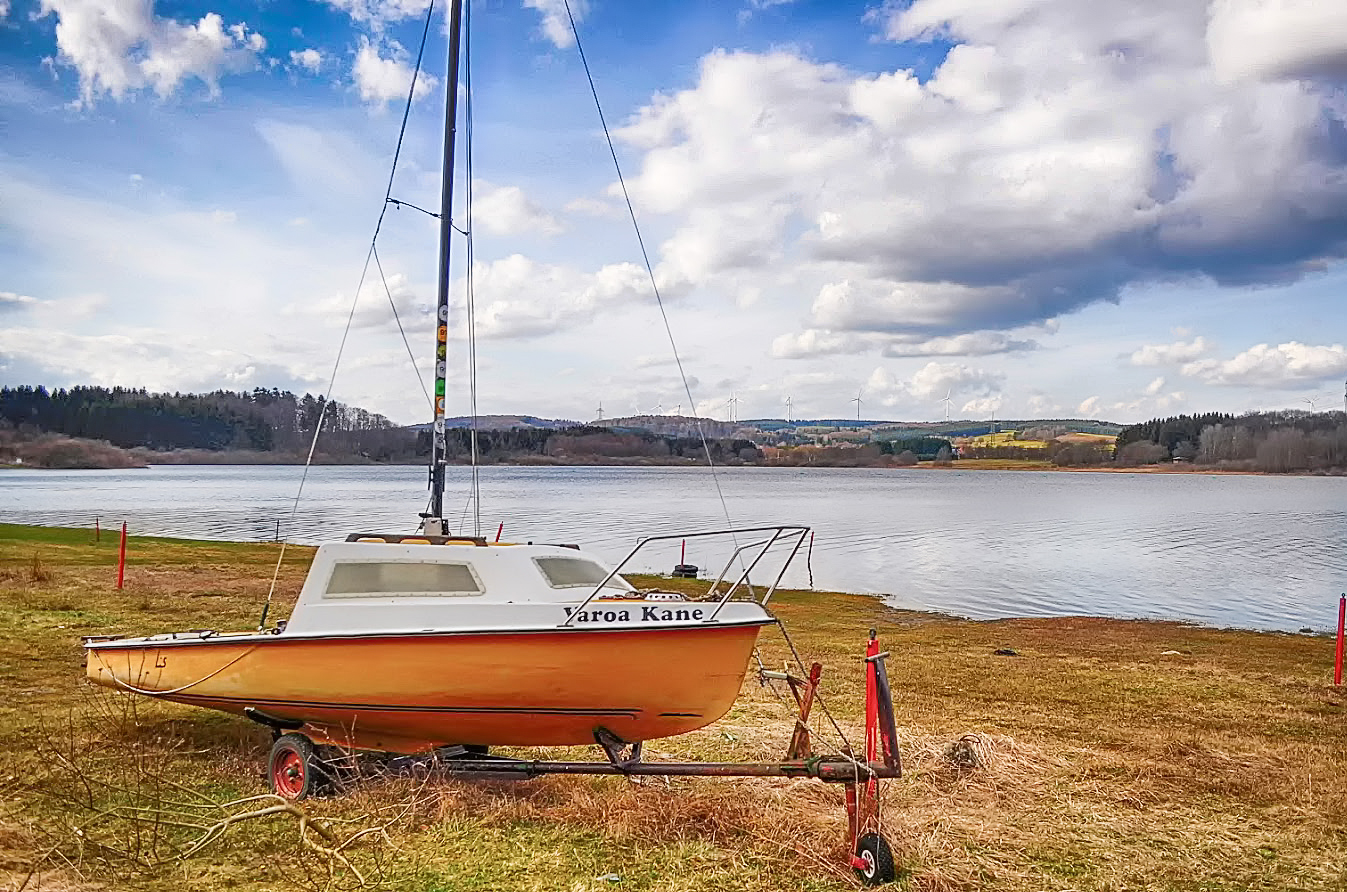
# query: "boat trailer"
{"points": [[295, 766]]}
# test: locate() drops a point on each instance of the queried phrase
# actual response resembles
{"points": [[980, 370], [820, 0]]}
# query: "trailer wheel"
{"points": [[293, 768], [877, 860]]}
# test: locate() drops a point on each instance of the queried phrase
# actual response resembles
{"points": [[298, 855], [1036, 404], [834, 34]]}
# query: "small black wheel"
{"points": [[877, 860], [294, 769]]}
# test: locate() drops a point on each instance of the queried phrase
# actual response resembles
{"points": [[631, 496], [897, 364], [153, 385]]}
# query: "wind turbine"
{"points": [[857, 401], [731, 403], [1311, 401], [659, 408], [600, 415], [789, 407], [946, 400]]}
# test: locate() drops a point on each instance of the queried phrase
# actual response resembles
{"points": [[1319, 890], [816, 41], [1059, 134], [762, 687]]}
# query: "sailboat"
{"points": [[412, 642]]}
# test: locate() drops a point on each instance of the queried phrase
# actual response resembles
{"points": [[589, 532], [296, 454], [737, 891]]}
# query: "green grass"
{"points": [[1106, 764]]}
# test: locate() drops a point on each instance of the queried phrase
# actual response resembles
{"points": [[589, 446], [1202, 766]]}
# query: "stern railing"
{"points": [[748, 555]]}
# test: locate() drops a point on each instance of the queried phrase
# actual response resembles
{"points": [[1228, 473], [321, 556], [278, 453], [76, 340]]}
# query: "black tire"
{"points": [[879, 869], [294, 769]]}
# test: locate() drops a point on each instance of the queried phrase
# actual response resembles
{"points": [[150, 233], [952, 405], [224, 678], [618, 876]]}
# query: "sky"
{"points": [[1036, 208]]}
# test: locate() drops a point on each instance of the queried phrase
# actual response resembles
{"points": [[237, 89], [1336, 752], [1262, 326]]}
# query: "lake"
{"points": [[1236, 550]]}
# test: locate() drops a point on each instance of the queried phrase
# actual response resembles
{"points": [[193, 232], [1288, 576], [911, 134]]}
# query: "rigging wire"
{"points": [[470, 295], [420, 379], [350, 317], [649, 268]]}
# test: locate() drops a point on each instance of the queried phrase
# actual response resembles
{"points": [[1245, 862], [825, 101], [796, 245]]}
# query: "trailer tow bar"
{"points": [[871, 855]]}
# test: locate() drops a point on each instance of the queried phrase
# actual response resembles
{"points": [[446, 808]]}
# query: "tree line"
{"points": [[260, 420], [1276, 442], [93, 426]]}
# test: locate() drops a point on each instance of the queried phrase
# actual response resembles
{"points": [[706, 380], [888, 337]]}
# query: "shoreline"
{"points": [[69, 534], [972, 464]]}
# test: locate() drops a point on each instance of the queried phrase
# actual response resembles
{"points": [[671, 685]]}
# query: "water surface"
{"points": [[1248, 551]]}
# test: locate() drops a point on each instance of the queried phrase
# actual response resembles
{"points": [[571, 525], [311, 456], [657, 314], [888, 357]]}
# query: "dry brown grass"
{"points": [[1095, 760]]}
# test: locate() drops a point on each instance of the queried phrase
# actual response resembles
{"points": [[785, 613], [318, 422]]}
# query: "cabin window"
{"points": [[370, 579], [573, 572]]}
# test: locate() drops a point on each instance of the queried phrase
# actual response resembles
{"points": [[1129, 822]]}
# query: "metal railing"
{"points": [[789, 535]]}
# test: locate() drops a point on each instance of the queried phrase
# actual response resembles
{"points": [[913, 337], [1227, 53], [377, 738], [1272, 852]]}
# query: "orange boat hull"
{"points": [[409, 693]]}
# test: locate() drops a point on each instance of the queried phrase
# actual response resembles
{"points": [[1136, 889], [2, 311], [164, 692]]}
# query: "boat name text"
{"points": [[647, 615]]}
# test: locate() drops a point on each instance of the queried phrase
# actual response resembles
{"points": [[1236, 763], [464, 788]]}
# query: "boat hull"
{"points": [[412, 692]]}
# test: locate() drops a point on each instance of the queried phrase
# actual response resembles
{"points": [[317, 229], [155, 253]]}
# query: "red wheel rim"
{"points": [[287, 773]]}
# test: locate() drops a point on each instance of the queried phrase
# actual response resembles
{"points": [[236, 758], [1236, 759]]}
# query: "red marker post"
{"points": [[121, 559], [1337, 657], [500, 529]]}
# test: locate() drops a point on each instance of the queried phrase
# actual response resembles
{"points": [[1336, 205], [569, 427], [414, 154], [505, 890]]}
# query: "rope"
{"points": [[649, 268], [150, 693]]}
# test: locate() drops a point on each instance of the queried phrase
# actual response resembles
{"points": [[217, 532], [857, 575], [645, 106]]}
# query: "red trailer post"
{"points": [[1337, 657], [121, 559]]}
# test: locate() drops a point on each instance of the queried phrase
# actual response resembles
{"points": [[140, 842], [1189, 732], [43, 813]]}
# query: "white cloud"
{"points": [[1089, 407], [10, 302], [1273, 39], [379, 13], [380, 79], [4, 9], [746, 14], [309, 59], [1170, 354], [415, 305], [1286, 365], [322, 162], [120, 46], [1155, 386], [817, 342], [506, 210], [1040, 405], [1051, 160], [930, 384], [987, 405], [519, 297], [821, 342], [556, 27], [146, 357]]}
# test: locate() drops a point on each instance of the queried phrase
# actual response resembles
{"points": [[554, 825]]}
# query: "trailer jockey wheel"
{"points": [[294, 769], [874, 860]]}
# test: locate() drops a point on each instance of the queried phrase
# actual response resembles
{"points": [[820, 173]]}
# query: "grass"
{"points": [[1106, 755]]}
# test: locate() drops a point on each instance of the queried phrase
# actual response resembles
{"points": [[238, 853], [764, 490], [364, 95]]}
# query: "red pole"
{"points": [[121, 559], [500, 529], [1337, 658], [683, 553], [98, 533]]}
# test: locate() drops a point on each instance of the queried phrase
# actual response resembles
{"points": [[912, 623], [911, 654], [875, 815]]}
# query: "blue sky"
{"points": [[1137, 211]]}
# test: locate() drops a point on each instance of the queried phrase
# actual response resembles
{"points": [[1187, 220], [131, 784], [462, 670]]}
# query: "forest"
{"points": [[123, 427], [1274, 442]]}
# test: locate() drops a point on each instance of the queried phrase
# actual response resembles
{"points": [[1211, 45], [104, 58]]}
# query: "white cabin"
{"points": [[362, 587]]}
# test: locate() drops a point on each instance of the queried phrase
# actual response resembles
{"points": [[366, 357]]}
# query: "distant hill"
{"points": [[502, 423]]}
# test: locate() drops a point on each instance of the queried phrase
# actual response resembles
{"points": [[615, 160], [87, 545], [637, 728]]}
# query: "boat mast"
{"points": [[438, 454]]}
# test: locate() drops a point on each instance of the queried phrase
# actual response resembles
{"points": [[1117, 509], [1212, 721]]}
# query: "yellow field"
{"points": [[999, 440]]}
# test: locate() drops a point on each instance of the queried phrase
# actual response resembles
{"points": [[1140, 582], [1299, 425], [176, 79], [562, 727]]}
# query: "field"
{"points": [[1000, 440], [1103, 755]]}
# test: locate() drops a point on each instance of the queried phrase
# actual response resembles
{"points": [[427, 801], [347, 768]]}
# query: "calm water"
{"points": [[1260, 552]]}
